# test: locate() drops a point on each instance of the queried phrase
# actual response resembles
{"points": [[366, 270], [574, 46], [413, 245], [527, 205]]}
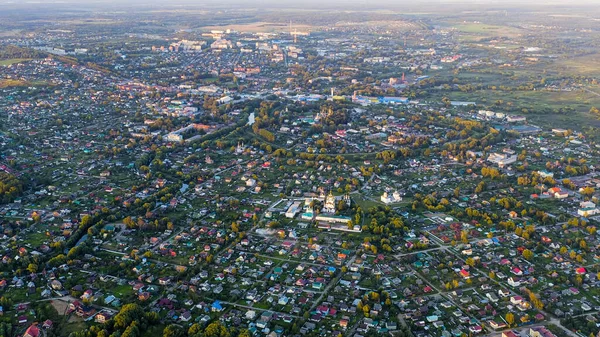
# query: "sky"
{"points": [[395, 5], [304, 3]]}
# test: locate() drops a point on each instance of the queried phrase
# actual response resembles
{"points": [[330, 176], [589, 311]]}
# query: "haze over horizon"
{"points": [[304, 4]]}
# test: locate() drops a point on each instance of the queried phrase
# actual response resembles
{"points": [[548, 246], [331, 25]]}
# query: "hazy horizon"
{"points": [[303, 4]]}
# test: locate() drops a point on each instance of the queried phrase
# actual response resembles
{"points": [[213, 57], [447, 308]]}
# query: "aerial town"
{"points": [[229, 172]]}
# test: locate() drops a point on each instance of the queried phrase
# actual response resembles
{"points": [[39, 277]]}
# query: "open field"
{"points": [[7, 83], [60, 306], [261, 27], [9, 33], [572, 120], [475, 31], [396, 25], [588, 65], [579, 100], [75, 324], [570, 109], [82, 21], [12, 61]]}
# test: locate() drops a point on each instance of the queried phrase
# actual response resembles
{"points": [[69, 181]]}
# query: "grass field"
{"points": [[12, 61], [542, 106], [582, 65], [210, 80], [123, 290], [574, 121], [474, 31], [83, 21], [8, 83], [364, 204], [37, 239], [261, 27], [580, 100], [73, 326]]}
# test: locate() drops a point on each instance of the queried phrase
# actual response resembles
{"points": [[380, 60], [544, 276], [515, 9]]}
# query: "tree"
{"points": [[572, 254], [216, 329], [86, 220], [366, 309], [244, 333], [446, 101], [588, 191], [173, 331], [32, 268], [519, 231], [527, 254], [127, 314], [480, 187], [128, 221], [152, 317], [464, 236], [132, 330], [57, 260], [510, 319]]}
